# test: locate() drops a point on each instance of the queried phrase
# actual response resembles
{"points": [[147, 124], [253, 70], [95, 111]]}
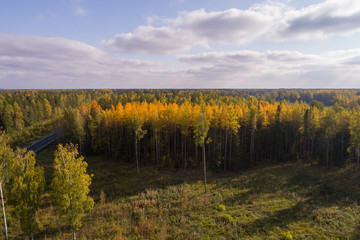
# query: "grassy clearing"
{"points": [[292, 201]]}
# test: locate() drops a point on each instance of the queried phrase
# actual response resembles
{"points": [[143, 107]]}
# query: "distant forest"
{"points": [[235, 129]]}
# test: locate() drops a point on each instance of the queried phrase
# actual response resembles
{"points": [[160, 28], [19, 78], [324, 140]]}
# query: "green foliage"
{"points": [[70, 185], [26, 188], [6, 157], [355, 131], [201, 125]]}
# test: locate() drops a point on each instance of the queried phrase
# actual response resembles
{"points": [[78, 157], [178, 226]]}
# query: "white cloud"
{"points": [[36, 62], [269, 21], [80, 12]]}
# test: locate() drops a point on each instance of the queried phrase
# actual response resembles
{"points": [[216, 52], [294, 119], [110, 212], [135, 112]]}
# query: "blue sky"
{"points": [[180, 44]]}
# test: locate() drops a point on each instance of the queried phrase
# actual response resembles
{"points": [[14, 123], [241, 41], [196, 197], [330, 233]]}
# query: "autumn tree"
{"points": [[136, 121], [27, 185], [70, 185], [201, 128], [6, 155], [354, 128]]}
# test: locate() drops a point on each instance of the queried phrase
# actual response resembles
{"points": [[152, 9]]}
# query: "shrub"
{"points": [[221, 208]]}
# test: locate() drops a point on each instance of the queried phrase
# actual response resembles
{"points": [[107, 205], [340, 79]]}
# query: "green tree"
{"points": [[6, 155], [27, 185], [18, 117], [70, 185], [47, 108], [8, 117]]}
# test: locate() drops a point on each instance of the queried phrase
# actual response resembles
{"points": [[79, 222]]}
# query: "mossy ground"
{"points": [[287, 201]]}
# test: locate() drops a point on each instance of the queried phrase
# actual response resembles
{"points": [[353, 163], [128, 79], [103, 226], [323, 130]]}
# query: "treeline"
{"points": [[26, 114], [236, 135]]}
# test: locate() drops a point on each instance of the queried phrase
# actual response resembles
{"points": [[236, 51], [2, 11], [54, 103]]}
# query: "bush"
{"points": [[221, 208], [227, 218], [286, 236]]}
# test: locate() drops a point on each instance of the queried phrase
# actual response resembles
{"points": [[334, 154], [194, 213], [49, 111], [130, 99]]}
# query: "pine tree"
{"points": [[70, 186]]}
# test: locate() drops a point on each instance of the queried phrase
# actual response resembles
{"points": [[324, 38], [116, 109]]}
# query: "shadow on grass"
{"points": [[313, 193]]}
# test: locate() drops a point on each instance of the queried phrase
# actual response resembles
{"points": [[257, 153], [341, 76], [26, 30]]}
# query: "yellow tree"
{"points": [[201, 128], [354, 128], [136, 118], [185, 125]]}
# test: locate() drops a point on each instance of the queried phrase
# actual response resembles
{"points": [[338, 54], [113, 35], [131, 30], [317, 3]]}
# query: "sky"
{"points": [[86, 44]]}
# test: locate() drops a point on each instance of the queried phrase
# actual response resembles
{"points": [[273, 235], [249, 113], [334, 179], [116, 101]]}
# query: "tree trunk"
{"points": [[230, 162], [251, 146], [31, 236], [196, 155], [226, 138], [357, 166], [327, 151], [80, 150], [312, 146], [342, 145], [185, 159], [204, 164], [136, 152], [3, 208], [157, 140], [74, 236]]}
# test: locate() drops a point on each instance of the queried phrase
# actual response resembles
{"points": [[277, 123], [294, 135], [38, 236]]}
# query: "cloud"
{"points": [[274, 69], [269, 21], [38, 62], [80, 12]]}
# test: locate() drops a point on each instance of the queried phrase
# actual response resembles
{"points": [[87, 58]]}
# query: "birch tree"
{"points": [[70, 185], [26, 187], [201, 128], [354, 128], [6, 155]]}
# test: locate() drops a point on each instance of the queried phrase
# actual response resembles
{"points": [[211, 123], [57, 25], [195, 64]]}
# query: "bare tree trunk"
{"points": [[312, 146], [251, 146], [80, 150], [74, 236], [3, 208], [342, 145], [357, 166], [157, 140], [196, 155], [31, 236], [231, 136], [226, 137], [136, 153], [204, 165], [327, 151]]}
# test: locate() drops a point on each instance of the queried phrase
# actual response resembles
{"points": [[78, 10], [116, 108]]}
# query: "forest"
{"points": [[181, 136]]}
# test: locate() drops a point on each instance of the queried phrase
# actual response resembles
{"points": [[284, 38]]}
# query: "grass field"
{"points": [[289, 201]]}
